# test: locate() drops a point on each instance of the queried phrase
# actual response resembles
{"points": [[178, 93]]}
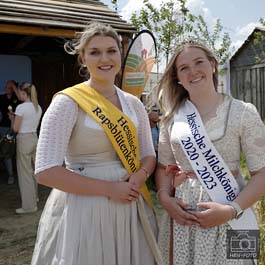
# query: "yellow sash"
{"points": [[118, 127]]}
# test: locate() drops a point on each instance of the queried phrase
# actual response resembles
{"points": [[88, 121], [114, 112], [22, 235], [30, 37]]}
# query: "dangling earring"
{"points": [[213, 70]]}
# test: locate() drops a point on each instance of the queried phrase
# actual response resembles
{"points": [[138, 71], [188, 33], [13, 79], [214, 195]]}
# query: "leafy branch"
{"points": [[172, 22]]}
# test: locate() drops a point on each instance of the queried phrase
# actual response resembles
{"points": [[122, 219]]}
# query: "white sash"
{"points": [[207, 163]]}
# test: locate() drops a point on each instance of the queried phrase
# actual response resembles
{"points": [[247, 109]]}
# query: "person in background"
{"points": [[9, 100], [153, 120], [25, 122]]}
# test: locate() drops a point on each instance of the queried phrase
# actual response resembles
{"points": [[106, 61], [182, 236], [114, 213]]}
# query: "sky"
{"points": [[238, 17]]}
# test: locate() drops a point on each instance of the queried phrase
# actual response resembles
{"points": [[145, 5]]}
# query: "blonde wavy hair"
{"points": [[171, 94], [77, 46]]}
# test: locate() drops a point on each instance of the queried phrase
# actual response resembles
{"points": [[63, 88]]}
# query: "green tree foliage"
{"points": [[212, 38], [259, 42], [259, 209], [115, 4], [172, 22]]}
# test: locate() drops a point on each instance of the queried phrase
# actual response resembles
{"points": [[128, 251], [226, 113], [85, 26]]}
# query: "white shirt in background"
{"points": [[30, 118]]}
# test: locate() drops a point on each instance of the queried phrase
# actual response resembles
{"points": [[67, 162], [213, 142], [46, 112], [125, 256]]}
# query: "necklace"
{"points": [[111, 95], [215, 106], [107, 97]]}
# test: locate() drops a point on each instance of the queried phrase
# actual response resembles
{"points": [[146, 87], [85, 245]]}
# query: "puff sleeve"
{"points": [[165, 153], [56, 129], [252, 133], [144, 131]]}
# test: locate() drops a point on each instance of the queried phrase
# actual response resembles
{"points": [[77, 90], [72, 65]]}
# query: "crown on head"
{"points": [[193, 40]]}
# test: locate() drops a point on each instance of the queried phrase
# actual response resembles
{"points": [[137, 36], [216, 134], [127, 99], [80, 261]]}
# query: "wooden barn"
{"points": [[247, 71], [33, 33]]}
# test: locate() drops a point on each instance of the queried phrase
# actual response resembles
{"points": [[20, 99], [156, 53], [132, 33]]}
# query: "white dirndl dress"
{"points": [[88, 230]]}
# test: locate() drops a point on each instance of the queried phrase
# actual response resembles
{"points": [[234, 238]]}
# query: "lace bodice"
{"points": [[67, 132], [236, 127]]}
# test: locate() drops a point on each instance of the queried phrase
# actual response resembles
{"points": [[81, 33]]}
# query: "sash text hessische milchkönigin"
{"points": [[212, 160], [129, 154]]}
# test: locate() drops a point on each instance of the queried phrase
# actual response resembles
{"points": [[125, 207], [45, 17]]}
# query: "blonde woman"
{"points": [[202, 136], [91, 215], [25, 123]]}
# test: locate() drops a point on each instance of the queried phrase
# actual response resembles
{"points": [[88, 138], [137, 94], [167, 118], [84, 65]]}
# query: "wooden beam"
{"points": [[37, 31]]}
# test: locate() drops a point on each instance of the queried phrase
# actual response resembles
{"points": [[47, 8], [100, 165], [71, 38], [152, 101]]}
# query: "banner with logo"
{"points": [[138, 63]]}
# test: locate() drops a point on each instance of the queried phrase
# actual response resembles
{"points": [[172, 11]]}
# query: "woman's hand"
{"points": [[175, 207], [178, 175], [11, 115], [179, 178], [213, 214], [123, 192], [137, 178], [135, 182]]}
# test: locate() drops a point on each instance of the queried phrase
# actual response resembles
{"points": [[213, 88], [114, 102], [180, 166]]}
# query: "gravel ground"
{"points": [[17, 232]]}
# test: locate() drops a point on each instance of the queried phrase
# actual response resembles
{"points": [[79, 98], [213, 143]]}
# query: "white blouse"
{"points": [[61, 116], [237, 127], [30, 117]]}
